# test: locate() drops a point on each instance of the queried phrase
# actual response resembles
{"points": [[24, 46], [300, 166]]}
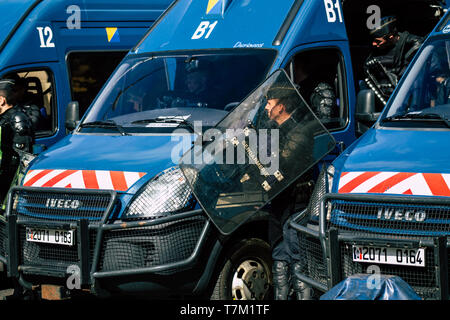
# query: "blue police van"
{"points": [[382, 206], [115, 207], [66, 51]]}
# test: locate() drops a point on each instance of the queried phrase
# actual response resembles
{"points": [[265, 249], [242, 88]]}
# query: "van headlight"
{"points": [[323, 185], [167, 193]]}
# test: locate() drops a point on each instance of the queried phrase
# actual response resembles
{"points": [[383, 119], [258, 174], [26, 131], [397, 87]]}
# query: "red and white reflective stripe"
{"points": [[424, 184], [82, 179]]}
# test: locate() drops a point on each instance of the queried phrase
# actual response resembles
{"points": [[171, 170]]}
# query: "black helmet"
{"points": [[279, 92], [6, 90], [6, 84], [387, 26], [286, 95]]}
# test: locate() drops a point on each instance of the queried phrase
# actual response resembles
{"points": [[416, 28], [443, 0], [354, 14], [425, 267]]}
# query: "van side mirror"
{"points": [[72, 115], [365, 114]]}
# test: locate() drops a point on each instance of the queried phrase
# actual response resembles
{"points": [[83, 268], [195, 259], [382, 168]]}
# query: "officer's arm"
{"points": [[415, 43], [22, 130]]}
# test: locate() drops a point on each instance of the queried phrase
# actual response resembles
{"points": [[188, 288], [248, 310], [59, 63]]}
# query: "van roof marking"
{"points": [[113, 34], [213, 4]]}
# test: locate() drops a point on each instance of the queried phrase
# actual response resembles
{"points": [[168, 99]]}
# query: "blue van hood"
{"points": [[396, 162], [395, 150], [12, 13], [147, 155]]}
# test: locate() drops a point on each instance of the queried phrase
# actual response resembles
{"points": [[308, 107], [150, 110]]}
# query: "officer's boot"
{"points": [[301, 289], [280, 272]]}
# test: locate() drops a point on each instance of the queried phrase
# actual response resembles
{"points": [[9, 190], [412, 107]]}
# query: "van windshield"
{"points": [[160, 93], [424, 98]]}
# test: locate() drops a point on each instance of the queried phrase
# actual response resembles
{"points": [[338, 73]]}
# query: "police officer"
{"points": [[16, 134], [392, 52], [297, 128]]}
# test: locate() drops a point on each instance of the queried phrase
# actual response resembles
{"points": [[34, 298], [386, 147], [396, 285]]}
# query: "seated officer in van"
{"points": [[199, 90], [196, 81], [314, 88]]}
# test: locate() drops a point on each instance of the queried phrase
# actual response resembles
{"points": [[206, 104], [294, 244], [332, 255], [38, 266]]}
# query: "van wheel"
{"points": [[246, 273]]}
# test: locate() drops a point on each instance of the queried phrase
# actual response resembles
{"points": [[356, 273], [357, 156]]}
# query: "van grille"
{"points": [[396, 220], [64, 206]]}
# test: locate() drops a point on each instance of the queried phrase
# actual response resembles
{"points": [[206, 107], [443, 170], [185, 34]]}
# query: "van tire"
{"points": [[246, 272]]}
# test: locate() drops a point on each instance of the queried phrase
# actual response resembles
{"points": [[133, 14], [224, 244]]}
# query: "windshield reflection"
{"points": [[424, 97], [147, 93]]}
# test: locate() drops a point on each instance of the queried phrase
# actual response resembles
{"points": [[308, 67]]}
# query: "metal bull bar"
{"points": [[82, 228], [331, 242], [90, 242]]}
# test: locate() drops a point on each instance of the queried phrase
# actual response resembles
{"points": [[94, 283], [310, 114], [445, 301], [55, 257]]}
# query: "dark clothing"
{"points": [[399, 57], [296, 144], [287, 250], [324, 102], [394, 60], [34, 114], [296, 138], [320, 96], [16, 134]]}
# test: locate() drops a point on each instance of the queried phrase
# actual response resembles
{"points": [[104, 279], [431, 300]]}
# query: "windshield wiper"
{"points": [[420, 117], [177, 120], [106, 124]]}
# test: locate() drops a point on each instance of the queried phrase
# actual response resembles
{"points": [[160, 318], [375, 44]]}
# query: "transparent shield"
{"points": [[262, 146]]}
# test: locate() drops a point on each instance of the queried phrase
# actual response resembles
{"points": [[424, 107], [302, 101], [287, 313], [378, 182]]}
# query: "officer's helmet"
{"points": [[388, 26]]}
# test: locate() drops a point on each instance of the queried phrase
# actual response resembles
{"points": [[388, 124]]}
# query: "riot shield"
{"points": [[262, 146]]}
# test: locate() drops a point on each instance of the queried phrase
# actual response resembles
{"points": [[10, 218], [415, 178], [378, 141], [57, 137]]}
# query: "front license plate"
{"points": [[64, 237], [394, 256]]}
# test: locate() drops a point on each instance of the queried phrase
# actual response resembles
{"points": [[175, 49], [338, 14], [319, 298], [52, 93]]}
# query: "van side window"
{"points": [[36, 87], [319, 75], [88, 72]]}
